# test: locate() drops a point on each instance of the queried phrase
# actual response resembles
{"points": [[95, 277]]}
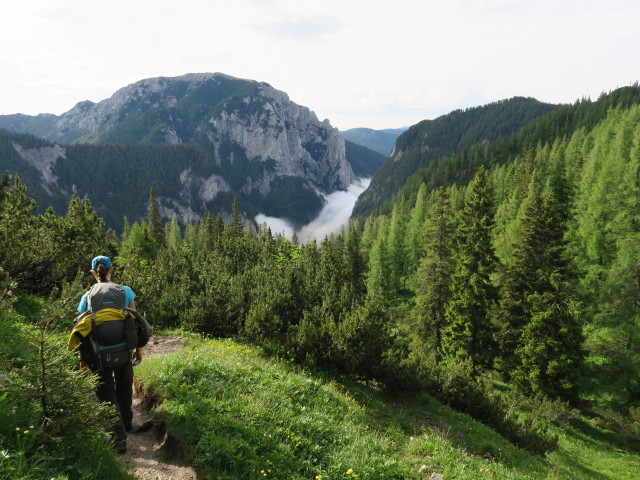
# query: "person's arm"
{"points": [[137, 353]]}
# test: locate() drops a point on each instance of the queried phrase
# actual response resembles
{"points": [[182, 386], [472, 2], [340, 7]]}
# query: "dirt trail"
{"points": [[151, 453]]}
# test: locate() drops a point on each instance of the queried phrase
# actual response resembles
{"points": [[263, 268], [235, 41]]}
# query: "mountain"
{"points": [[274, 154], [381, 141], [562, 122], [432, 139], [363, 160]]}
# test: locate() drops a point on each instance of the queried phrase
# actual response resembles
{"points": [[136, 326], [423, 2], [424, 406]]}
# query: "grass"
{"points": [[243, 415]]}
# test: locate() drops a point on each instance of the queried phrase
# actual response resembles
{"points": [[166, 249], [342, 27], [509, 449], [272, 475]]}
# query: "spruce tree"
{"points": [[469, 332], [378, 282], [543, 339], [154, 222], [218, 227], [235, 226], [173, 233], [207, 232], [355, 264], [435, 275]]}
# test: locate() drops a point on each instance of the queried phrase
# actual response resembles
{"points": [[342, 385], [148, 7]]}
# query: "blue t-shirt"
{"points": [[130, 296]]}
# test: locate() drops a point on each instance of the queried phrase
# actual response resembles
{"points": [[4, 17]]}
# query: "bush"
{"points": [[48, 419]]}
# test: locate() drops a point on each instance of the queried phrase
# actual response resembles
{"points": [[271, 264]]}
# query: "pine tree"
{"points": [[469, 332]]}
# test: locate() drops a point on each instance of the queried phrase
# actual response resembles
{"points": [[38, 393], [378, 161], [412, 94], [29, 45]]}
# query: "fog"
{"points": [[331, 218]]}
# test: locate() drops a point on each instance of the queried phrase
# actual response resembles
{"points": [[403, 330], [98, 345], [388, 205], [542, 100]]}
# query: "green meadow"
{"points": [[241, 414]]}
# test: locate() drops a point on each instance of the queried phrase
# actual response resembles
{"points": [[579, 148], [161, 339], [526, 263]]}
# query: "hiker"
{"points": [[106, 300]]}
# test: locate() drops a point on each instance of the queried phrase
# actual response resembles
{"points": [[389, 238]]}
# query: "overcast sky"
{"points": [[359, 63]]}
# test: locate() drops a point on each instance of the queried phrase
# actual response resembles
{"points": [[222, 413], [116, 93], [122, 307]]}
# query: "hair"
{"points": [[102, 272]]}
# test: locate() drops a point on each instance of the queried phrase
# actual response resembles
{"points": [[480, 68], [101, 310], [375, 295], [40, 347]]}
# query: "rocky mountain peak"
{"points": [[269, 150]]}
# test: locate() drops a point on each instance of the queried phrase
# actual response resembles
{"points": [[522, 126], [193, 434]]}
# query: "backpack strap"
{"points": [[89, 299], [93, 336]]}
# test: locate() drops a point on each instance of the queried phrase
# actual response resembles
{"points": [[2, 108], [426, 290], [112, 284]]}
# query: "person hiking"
{"points": [[105, 328]]}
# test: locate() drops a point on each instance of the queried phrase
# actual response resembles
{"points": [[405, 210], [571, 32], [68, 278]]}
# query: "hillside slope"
{"points": [[563, 122], [432, 139], [243, 415], [381, 141]]}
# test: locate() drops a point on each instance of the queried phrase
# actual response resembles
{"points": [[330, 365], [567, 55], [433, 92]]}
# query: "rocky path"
{"points": [[151, 453]]}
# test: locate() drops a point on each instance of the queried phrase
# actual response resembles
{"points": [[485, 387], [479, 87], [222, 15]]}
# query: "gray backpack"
{"points": [[116, 338]]}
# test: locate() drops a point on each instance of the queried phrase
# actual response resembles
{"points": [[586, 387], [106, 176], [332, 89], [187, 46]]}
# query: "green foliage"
{"points": [[430, 140], [48, 419], [364, 161], [468, 332], [435, 278], [43, 251], [154, 223], [542, 337]]}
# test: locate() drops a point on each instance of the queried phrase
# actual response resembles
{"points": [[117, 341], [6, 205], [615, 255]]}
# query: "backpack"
{"points": [[121, 328]]}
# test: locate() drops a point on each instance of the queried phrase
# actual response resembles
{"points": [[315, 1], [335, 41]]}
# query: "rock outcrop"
{"points": [[258, 139]]}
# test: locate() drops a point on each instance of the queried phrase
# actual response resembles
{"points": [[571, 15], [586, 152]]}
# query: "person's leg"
{"points": [[106, 392], [124, 393]]}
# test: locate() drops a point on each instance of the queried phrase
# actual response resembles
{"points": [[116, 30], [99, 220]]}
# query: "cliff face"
{"points": [[267, 149], [228, 116], [270, 128]]}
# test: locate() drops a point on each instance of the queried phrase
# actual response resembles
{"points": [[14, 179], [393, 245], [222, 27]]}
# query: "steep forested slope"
{"points": [[364, 161], [381, 141], [560, 123], [432, 139]]}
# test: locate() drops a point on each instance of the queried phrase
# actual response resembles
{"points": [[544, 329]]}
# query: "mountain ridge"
{"points": [[260, 141], [381, 141], [429, 140]]}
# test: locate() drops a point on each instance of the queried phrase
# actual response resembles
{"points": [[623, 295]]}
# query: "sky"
{"points": [[359, 63]]}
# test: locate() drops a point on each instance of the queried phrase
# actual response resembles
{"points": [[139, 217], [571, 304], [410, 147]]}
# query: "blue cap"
{"points": [[100, 259]]}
